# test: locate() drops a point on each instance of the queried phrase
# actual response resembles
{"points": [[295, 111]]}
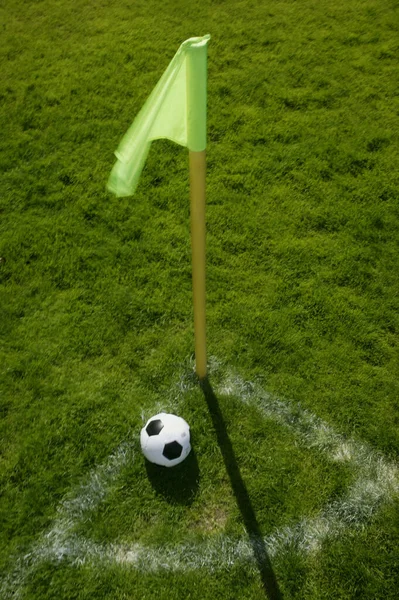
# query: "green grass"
{"points": [[95, 292]]}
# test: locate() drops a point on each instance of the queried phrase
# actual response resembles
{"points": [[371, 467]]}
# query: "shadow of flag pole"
{"points": [[176, 110], [266, 572]]}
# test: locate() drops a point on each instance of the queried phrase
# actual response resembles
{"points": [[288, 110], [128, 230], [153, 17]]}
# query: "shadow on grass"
{"points": [[268, 577], [179, 484]]}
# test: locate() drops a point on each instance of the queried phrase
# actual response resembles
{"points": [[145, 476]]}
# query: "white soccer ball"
{"points": [[165, 440]]}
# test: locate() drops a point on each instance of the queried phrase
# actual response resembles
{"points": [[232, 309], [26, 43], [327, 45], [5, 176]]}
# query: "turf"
{"points": [[95, 292]]}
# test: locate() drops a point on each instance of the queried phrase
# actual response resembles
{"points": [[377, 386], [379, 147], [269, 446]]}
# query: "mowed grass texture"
{"points": [[95, 292]]}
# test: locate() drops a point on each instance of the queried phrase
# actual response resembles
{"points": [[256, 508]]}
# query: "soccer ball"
{"points": [[165, 440]]}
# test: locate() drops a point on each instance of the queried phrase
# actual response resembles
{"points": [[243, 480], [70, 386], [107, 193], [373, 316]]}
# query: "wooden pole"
{"points": [[197, 163]]}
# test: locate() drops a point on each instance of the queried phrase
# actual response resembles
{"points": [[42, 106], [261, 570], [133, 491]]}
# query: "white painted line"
{"points": [[376, 479], [376, 482], [60, 543]]}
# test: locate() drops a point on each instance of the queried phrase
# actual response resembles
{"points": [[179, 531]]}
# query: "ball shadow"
{"points": [[177, 485]]}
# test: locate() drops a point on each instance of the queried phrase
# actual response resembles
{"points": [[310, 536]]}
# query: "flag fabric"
{"points": [[176, 110]]}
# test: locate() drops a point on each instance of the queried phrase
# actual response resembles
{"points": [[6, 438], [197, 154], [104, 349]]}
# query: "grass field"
{"points": [[292, 487]]}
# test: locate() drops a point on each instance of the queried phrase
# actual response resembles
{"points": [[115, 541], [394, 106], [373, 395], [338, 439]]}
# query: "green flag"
{"points": [[176, 110]]}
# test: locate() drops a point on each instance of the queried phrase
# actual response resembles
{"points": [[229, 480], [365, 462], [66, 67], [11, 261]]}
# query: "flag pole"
{"points": [[176, 110], [197, 164], [196, 86]]}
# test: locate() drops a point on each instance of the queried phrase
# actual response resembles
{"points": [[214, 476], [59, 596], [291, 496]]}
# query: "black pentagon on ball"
{"points": [[155, 427], [172, 450]]}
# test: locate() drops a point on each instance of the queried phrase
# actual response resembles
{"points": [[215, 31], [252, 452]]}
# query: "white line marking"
{"points": [[376, 482], [59, 543]]}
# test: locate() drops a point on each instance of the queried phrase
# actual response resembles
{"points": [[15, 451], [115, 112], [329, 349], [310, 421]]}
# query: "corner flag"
{"points": [[176, 110]]}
